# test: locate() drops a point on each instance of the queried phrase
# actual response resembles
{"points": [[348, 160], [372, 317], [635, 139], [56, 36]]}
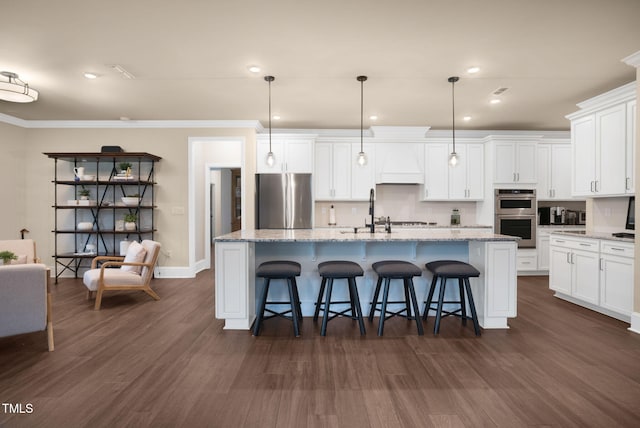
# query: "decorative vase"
{"points": [[130, 225]]}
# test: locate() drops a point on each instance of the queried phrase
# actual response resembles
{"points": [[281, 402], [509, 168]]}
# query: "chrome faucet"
{"points": [[372, 226]]}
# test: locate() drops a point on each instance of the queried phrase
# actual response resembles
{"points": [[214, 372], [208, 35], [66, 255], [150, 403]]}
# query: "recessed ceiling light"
{"points": [[253, 68], [275, 117], [90, 75], [373, 117], [495, 101], [472, 70], [466, 118]]}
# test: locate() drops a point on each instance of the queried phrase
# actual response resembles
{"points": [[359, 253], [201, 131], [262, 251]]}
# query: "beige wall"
{"points": [[13, 178], [28, 190]]}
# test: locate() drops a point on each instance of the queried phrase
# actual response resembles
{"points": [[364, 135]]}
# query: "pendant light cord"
{"points": [[453, 81], [269, 79], [361, 79]]}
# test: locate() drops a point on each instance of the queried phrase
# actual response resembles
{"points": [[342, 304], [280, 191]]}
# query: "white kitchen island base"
{"points": [[238, 254]]}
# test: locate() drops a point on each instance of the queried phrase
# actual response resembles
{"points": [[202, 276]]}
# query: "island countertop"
{"points": [[333, 235]]}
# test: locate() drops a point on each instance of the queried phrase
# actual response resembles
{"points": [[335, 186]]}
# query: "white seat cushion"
{"points": [[135, 253], [111, 277]]}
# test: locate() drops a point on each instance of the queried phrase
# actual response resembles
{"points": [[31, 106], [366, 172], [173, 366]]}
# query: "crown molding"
{"points": [[615, 96], [102, 124], [633, 60]]}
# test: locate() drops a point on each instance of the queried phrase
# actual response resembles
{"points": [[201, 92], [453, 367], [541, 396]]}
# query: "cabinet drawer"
{"points": [[576, 244], [617, 249]]}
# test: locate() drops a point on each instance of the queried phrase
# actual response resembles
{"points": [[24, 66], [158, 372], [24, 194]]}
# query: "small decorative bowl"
{"points": [[130, 201], [85, 225], [89, 178]]}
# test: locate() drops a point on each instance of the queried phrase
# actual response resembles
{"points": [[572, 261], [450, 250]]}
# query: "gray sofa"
{"points": [[25, 300]]}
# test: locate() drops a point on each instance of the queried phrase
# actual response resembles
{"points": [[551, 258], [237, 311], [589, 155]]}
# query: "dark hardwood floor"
{"points": [[142, 363]]}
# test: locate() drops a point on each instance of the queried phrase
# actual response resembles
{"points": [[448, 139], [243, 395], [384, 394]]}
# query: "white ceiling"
{"points": [[189, 59]]}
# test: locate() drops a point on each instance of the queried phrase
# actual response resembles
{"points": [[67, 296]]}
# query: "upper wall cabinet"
{"points": [[337, 175], [292, 154], [554, 172], [514, 162], [602, 138], [631, 151], [464, 182]]}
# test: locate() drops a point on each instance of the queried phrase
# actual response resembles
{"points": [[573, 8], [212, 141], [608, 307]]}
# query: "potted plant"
{"points": [[130, 221], [125, 168], [84, 193], [7, 256]]}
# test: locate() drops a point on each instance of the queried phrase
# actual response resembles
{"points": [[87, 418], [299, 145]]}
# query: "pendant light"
{"points": [[271, 159], [453, 157], [15, 90], [362, 156]]}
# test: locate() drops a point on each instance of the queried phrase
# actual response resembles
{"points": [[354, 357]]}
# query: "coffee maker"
{"points": [[558, 215]]}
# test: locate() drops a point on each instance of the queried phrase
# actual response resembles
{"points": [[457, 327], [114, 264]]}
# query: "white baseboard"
{"points": [[174, 272], [635, 322]]}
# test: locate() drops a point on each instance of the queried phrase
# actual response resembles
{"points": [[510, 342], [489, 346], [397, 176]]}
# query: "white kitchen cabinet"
{"points": [[542, 248], [584, 281], [337, 175], [583, 155], [616, 276], [560, 268], [573, 269], [543, 240], [436, 173], [611, 150], [527, 259], [332, 173], [293, 155], [515, 162], [631, 151], [363, 177], [466, 180], [554, 172], [602, 138]]}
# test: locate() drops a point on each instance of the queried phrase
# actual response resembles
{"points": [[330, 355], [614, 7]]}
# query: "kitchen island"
{"points": [[239, 253]]}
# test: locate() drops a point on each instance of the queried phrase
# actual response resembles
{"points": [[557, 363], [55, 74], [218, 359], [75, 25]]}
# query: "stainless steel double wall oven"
{"points": [[516, 215]]}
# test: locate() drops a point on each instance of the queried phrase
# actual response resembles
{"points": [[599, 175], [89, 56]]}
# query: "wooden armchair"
{"points": [[131, 275]]}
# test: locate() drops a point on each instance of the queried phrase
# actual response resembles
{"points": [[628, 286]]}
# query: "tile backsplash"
{"points": [[398, 201]]}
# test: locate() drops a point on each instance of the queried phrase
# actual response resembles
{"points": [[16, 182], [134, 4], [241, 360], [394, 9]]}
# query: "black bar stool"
{"points": [[279, 270], [339, 270], [445, 269], [396, 269]]}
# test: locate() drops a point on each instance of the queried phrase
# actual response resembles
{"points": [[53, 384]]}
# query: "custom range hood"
{"points": [[400, 160]]}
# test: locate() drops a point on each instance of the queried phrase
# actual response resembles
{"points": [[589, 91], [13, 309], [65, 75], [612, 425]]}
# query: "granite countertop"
{"points": [[562, 226], [412, 226], [335, 235], [593, 235]]}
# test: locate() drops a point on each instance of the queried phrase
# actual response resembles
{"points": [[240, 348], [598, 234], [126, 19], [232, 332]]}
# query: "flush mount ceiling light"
{"points": [[495, 101], [90, 75], [15, 90], [271, 159], [253, 68], [373, 117], [466, 118], [473, 70], [453, 157], [362, 156]]}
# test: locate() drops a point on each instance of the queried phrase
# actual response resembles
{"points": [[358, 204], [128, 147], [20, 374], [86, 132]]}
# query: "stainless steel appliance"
{"points": [[581, 218], [283, 201], [515, 215], [558, 215]]}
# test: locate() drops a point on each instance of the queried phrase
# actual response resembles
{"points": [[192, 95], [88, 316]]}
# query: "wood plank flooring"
{"points": [[142, 363]]}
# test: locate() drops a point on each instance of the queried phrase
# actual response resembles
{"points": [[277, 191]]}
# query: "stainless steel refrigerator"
{"points": [[283, 201]]}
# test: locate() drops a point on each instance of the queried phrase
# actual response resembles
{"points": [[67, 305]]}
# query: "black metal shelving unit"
{"points": [[103, 212]]}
